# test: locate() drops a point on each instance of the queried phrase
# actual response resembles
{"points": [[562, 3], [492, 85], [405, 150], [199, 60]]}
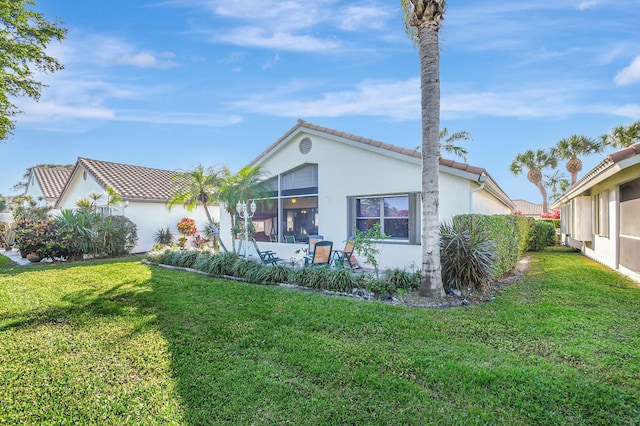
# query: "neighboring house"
{"points": [[600, 214], [144, 193], [45, 185], [528, 208], [330, 183]]}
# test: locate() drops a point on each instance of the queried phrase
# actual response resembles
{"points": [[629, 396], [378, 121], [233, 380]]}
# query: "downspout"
{"points": [[481, 180]]}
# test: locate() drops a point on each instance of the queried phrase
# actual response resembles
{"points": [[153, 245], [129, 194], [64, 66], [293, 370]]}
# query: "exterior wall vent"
{"points": [[305, 146]]}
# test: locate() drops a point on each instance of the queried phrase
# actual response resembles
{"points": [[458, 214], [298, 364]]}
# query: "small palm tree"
{"points": [[622, 137], [448, 143], [572, 147], [535, 162], [554, 181], [199, 186], [249, 184]]}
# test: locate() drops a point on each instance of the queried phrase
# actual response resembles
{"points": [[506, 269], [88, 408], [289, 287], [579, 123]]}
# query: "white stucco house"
{"points": [[144, 193], [600, 214], [329, 183], [45, 184]]}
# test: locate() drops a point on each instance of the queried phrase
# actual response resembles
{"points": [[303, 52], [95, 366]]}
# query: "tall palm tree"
{"points": [[572, 147], [249, 184], [422, 19], [199, 186], [622, 137], [556, 180], [535, 162]]}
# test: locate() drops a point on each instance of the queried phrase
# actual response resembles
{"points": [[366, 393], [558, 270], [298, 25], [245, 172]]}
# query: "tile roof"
{"points": [[528, 208], [51, 180], [133, 182], [594, 174], [371, 142]]}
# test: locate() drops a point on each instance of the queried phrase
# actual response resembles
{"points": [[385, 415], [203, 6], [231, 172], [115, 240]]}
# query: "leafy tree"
{"points": [[422, 20], [22, 185], [448, 143], [622, 136], [554, 181], [249, 184], [24, 36], [535, 162], [199, 186], [572, 147]]}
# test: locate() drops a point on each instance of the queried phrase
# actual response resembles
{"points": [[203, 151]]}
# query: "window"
{"points": [[601, 214], [396, 214]]}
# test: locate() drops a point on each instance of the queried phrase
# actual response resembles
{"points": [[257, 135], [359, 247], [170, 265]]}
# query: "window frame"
{"points": [[413, 217]]}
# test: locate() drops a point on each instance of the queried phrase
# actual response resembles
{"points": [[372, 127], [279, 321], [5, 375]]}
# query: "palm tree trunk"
{"points": [[543, 192], [430, 274]]}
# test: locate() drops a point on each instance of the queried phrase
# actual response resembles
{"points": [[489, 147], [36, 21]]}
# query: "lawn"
{"points": [[119, 342]]}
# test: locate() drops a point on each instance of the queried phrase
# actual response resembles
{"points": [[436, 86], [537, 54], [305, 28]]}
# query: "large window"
{"points": [[398, 215], [291, 214], [601, 214]]}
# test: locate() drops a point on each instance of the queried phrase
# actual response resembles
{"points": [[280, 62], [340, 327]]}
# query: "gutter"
{"points": [[482, 179]]}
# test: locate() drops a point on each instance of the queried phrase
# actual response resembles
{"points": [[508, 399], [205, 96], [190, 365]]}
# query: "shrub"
{"points": [[187, 226], [186, 258], [43, 238], [342, 279], [403, 279], [222, 264], [255, 272], [380, 287], [277, 274], [467, 254], [202, 261], [163, 236], [541, 235], [509, 234], [114, 235]]}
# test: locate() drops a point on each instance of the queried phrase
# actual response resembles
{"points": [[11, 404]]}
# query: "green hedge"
{"points": [[541, 235], [509, 233]]}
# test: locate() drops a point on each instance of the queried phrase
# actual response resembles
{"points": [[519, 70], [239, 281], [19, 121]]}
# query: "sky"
{"points": [[171, 84]]}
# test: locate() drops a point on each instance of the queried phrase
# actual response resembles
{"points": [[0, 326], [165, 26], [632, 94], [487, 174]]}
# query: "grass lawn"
{"points": [[118, 342]]}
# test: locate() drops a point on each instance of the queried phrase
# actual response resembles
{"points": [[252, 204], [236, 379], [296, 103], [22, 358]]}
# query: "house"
{"points": [[144, 192], [330, 183], [45, 184], [600, 214], [528, 209]]}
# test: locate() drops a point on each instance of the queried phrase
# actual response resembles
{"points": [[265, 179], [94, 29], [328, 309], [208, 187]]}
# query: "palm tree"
{"points": [[572, 147], [422, 20], [197, 187], [448, 143], [535, 162], [249, 184], [622, 137], [554, 181]]}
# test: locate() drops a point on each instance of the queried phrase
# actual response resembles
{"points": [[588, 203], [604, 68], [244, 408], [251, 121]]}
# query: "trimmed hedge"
{"points": [[508, 232], [541, 235]]}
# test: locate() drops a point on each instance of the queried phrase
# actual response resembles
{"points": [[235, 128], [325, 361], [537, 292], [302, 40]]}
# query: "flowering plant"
{"points": [[187, 226], [553, 214], [199, 241]]}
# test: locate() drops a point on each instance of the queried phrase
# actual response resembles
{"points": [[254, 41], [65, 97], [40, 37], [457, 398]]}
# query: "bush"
{"points": [[163, 236], [467, 254], [402, 279], [43, 238], [380, 287], [277, 274], [186, 258], [114, 235], [342, 279], [222, 264], [203, 260], [509, 234], [541, 235]]}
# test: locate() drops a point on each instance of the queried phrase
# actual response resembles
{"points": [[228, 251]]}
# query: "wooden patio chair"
{"points": [[322, 253], [313, 239], [342, 257]]}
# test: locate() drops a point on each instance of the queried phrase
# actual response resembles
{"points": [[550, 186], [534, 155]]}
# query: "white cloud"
{"points": [[147, 59], [271, 63], [588, 4], [355, 18], [629, 74], [256, 37]]}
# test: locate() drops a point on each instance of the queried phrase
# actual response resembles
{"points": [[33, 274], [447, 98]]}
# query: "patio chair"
{"points": [[289, 239], [321, 254], [267, 257], [342, 257], [313, 239], [273, 238]]}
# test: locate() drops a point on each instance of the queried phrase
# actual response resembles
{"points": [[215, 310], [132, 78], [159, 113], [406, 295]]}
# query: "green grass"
{"points": [[118, 342]]}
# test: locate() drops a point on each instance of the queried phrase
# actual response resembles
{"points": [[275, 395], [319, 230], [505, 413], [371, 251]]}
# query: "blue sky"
{"points": [[170, 84]]}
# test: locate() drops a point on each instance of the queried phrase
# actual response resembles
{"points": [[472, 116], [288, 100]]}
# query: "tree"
{"points": [[22, 185], [622, 137], [535, 162], [249, 184], [572, 147], [422, 20], [24, 36], [554, 181], [448, 143], [197, 187]]}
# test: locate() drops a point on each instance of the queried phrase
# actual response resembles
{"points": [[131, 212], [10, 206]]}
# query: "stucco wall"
{"points": [[149, 216], [344, 171]]}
